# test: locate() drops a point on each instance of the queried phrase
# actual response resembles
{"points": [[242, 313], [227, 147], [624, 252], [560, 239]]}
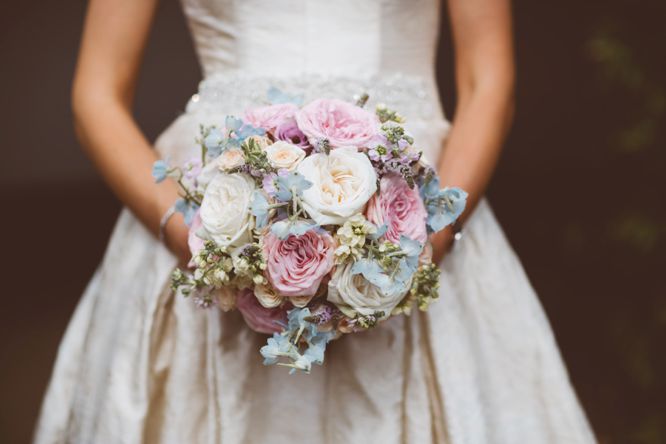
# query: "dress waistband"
{"points": [[412, 96]]}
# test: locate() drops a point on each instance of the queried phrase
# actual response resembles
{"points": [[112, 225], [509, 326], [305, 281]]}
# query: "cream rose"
{"points": [[230, 159], [342, 183], [352, 293], [284, 155], [225, 212], [266, 297]]}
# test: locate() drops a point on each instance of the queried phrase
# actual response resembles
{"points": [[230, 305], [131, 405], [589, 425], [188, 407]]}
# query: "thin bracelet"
{"points": [[164, 221]]}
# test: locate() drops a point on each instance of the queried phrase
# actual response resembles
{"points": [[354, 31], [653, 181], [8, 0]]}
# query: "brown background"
{"points": [[579, 191]]}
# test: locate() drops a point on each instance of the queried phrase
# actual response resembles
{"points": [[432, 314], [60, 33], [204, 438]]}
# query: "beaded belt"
{"points": [[231, 93]]}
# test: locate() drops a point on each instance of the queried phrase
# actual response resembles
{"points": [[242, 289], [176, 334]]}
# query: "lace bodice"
{"points": [[316, 48]]}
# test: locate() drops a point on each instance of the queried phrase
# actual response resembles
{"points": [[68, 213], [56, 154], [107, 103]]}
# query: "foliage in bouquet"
{"points": [[312, 221]]}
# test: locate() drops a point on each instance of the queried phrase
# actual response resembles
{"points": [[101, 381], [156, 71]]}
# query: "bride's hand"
{"points": [[175, 238], [441, 244]]}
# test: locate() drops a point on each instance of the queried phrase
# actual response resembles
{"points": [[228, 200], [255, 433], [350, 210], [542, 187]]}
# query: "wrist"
{"points": [[165, 220]]}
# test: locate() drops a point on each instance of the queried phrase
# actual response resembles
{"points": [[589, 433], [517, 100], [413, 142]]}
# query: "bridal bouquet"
{"points": [[312, 221]]}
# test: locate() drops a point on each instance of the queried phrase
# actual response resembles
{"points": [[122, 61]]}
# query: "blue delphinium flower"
{"points": [[381, 231], [402, 278], [317, 347], [248, 130], [444, 206], [232, 123], [277, 346], [293, 181], [412, 250], [285, 228], [160, 170], [189, 209], [372, 272], [396, 279], [429, 190], [297, 319], [299, 345], [260, 207], [213, 142]]}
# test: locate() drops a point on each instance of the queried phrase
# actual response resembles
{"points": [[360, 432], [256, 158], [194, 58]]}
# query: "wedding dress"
{"points": [[139, 364]]}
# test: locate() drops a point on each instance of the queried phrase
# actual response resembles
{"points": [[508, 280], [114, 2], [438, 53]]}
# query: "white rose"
{"points": [[208, 173], [225, 209], [285, 155], [230, 158], [352, 293], [342, 183]]}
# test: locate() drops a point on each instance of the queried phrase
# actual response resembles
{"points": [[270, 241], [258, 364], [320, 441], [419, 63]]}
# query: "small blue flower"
{"points": [[285, 228], [285, 184], [412, 250], [372, 272], [430, 190], [402, 278], [296, 318], [381, 230], [213, 142], [248, 130], [446, 209], [232, 123], [160, 170], [230, 143], [298, 334], [443, 206], [317, 347], [189, 210], [213, 139], [260, 208], [277, 346]]}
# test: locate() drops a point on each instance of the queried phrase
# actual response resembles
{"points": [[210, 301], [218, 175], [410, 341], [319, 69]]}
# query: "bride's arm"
{"points": [[485, 80], [114, 38]]}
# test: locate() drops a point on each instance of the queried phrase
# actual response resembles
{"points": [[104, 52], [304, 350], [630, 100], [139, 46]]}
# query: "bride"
{"points": [[141, 365]]}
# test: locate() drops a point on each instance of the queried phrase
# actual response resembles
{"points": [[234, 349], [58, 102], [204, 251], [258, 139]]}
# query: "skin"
{"points": [[113, 43], [114, 39], [485, 75]]}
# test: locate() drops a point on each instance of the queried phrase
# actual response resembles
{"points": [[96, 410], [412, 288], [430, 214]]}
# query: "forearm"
{"points": [[120, 151], [472, 149], [474, 144]]}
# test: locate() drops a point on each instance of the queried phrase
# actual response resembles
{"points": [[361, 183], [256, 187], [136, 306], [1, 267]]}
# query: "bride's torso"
{"points": [[318, 48], [332, 37]]}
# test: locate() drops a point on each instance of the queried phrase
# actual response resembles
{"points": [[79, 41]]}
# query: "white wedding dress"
{"points": [[141, 365]]}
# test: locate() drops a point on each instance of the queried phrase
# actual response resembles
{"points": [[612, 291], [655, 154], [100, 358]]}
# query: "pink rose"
{"points": [[290, 132], [271, 116], [259, 318], [342, 123], [297, 264], [400, 208]]}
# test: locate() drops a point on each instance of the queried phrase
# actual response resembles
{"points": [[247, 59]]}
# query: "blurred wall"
{"points": [[579, 191]]}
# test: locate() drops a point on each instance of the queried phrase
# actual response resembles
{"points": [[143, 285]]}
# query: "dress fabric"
{"points": [[139, 364]]}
